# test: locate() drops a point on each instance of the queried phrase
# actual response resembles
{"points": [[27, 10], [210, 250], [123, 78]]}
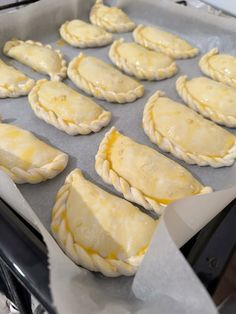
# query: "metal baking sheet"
{"points": [[41, 22]]}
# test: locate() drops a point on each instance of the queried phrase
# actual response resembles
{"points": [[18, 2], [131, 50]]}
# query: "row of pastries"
{"points": [[98, 230]]}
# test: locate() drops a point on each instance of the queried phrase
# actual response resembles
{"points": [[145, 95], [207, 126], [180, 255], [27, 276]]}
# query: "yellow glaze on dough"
{"points": [[149, 171], [212, 99], [141, 62], [13, 83], [66, 109], [67, 103], [225, 64], [108, 83], [220, 67], [141, 173], [107, 77], [186, 134], [190, 130], [101, 223], [41, 58], [20, 149], [112, 19], [81, 34], [157, 39]]}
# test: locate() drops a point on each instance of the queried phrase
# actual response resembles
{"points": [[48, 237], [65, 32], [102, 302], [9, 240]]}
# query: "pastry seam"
{"points": [[37, 175], [110, 27], [104, 169], [210, 71], [176, 54], [53, 76], [92, 261], [70, 128], [185, 94], [98, 92], [166, 145], [136, 71]]}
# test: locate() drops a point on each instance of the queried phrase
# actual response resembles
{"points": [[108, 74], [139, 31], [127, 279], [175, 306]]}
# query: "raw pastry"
{"points": [[187, 135], [141, 62], [98, 230], [159, 40], [63, 107], [111, 19], [220, 67], [143, 175], [212, 99], [13, 83], [83, 35], [42, 59], [25, 158], [102, 80]]}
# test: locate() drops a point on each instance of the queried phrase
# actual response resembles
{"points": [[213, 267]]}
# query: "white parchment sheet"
{"points": [[164, 283]]}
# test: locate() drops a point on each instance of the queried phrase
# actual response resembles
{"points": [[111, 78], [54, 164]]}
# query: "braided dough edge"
{"points": [[167, 145], [37, 175], [104, 169], [94, 262], [207, 69], [140, 73], [75, 41], [70, 128], [175, 54], [58, 76], [108, 26], [184, 93], [96, 91]]}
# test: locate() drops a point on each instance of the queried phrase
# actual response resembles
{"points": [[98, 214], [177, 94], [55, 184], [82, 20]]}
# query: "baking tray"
{"points": [[84, 148]]}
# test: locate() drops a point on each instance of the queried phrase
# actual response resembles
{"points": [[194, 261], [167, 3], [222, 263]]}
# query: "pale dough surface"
{"points": [[13, 82], [191, 131]]}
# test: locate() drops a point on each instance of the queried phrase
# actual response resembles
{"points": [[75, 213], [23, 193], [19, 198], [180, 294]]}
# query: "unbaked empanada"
{"points": [[63, 107], [83, 35], [40, 58], [98, 230], [157, 39], [141, 62], [102, 80], [212, 99], [143, 175], [187, 135], [25, 158], [220, 67], [111, 19], [13, 83]]}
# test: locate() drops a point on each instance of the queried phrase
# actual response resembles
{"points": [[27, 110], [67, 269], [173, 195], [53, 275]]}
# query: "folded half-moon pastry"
{"points": [[111, 19], [220, 67], [83, 35], [63, 107], [98, 230], [13, 83], [40, 58], [143, 175], [212, 99], [157, 39], [187, 135], [102, 80], [25, 158], [141, 62]]}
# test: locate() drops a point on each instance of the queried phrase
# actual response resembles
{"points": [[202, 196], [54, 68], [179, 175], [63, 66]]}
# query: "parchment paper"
{"points": [[165, 283]]}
